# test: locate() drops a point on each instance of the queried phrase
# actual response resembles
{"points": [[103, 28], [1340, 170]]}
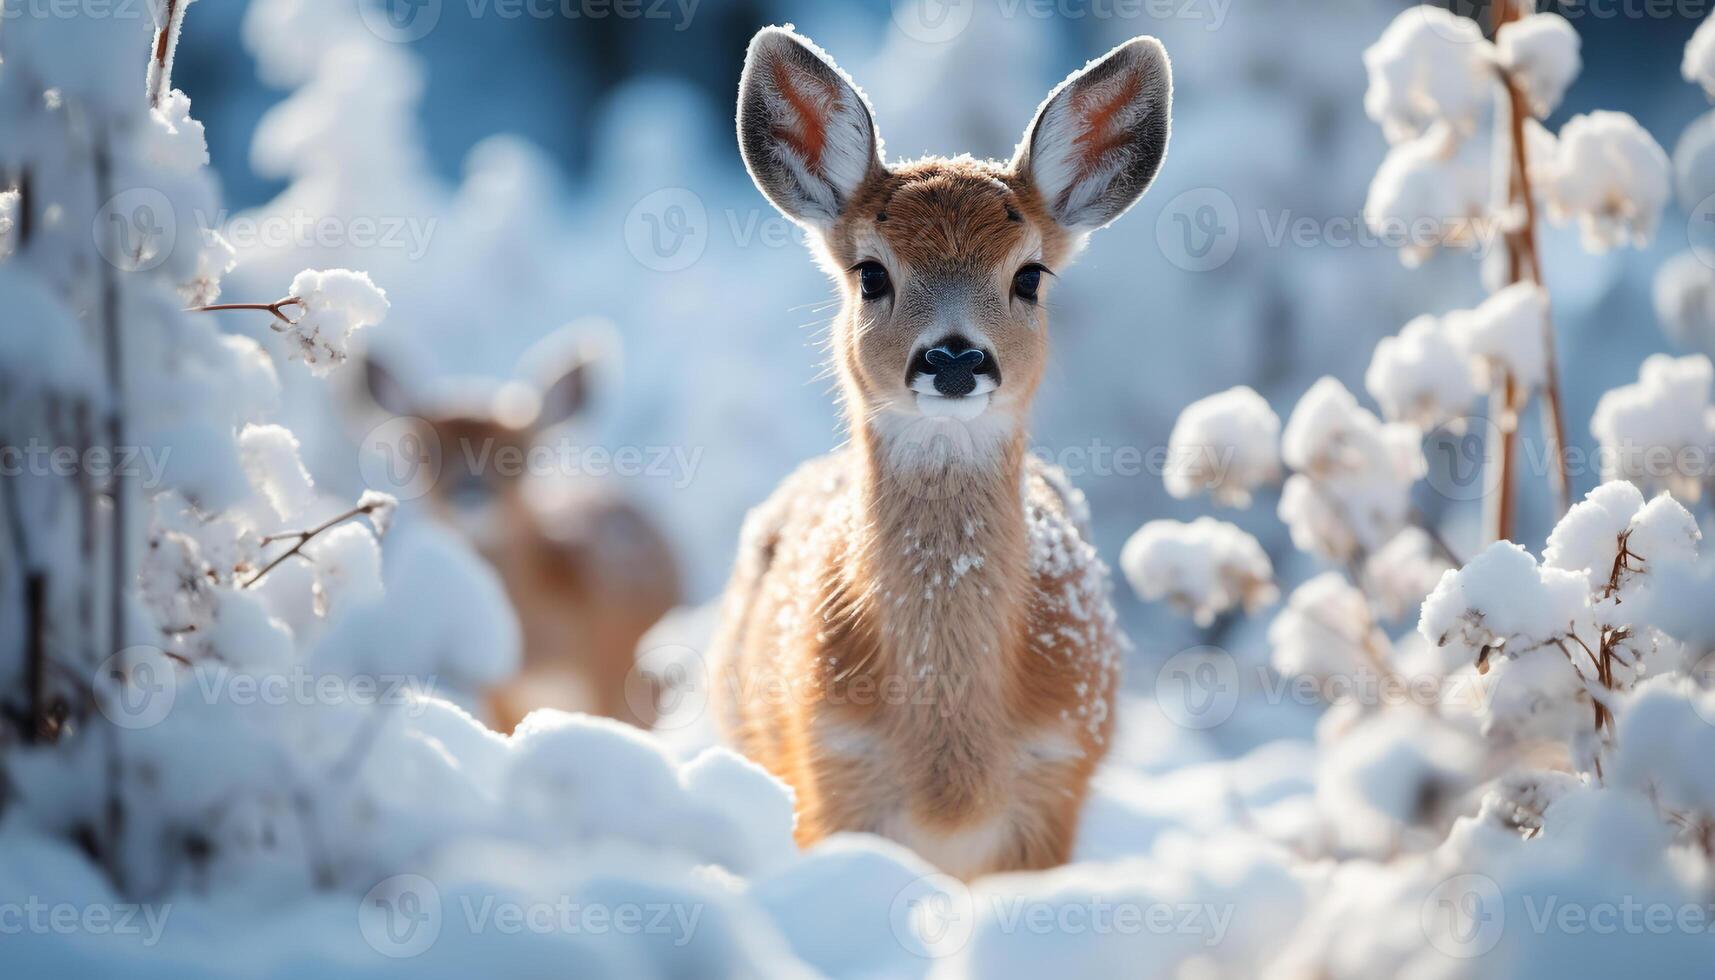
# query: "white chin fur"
{"points": [[964, 409]]}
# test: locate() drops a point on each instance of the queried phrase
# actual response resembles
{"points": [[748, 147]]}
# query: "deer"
{"points": [[586, 570], [917, 636]]}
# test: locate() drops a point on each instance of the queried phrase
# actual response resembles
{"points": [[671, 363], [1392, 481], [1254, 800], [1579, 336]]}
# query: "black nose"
{"points": [[954, 365]]}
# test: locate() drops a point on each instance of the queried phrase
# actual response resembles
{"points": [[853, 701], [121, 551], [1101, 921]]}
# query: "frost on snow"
{"points": [[1541, 52], [334, 303], [1422, 376], [1225, 444], [1429, 65], [1660, 432], [1203, 568], [1611, 176]]}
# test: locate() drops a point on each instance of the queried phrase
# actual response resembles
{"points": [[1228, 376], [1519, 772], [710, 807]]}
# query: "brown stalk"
{"points": [[161, 62], [1524, 264]]}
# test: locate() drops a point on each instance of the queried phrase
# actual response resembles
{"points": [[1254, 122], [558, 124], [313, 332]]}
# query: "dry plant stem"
{"points": [[1527, 260], [1523, 263], [161, 62], [277, 308], [301, 538], [1503, 412], [119, 523]]}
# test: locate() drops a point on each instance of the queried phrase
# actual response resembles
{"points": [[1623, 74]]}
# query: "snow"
{"points": [[1203, 568], [307, 769], [1434, 190], [333, 305], [1694, 165], [1611, 176], [1226, 444], [1504, 334], [1699, 64], [1660, 431], [1613, 517], [1430, 65], [1400, 573], [1326, 631], [1421, 376], [1684, 296], [1350, 491], [1540, 51]]}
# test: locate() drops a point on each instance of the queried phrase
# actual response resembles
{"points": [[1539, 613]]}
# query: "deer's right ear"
{"points": [[803, 127], [1099, 137]]}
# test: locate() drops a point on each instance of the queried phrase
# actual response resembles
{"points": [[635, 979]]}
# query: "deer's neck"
{"points": [[944, 550]]}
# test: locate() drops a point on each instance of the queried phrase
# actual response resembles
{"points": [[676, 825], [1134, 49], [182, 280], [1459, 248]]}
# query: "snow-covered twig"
{"points": [[160, 80], [373, 505]]}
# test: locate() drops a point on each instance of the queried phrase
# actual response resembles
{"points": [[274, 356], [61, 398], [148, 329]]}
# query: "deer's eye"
{"points": [[1026, 281], [872, 280]]}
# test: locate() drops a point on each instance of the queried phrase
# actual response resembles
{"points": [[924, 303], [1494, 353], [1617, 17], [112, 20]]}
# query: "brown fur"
{"points": [[586, 571], [899, 687]]}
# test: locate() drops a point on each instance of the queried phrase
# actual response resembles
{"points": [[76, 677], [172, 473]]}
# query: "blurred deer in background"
{"points": [[585, 569], [917, 635]]}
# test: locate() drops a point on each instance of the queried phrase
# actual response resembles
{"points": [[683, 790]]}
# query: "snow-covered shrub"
{"points": [[1699, 64], [1541, 52], [1203, 568], [1225, 444], [1685, 302], [1350, 490], [1611, 177], [1504, 334], [1421, 376], [1431, 182], [1660, 431], [1430, 65]]}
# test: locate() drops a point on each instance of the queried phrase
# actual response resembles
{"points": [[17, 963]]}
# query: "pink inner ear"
{"points": [[1101, 133], [811, 111]]}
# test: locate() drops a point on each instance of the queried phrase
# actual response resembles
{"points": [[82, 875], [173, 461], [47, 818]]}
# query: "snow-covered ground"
{"points": [[1357, 739]]}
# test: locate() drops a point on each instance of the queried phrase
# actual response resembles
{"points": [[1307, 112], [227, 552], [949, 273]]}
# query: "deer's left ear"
{"points": [[804, 129], [1099, 137]]}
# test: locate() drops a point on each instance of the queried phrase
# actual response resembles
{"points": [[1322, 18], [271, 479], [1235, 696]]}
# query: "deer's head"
{"points": [[945, 264], [477, 435]]}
